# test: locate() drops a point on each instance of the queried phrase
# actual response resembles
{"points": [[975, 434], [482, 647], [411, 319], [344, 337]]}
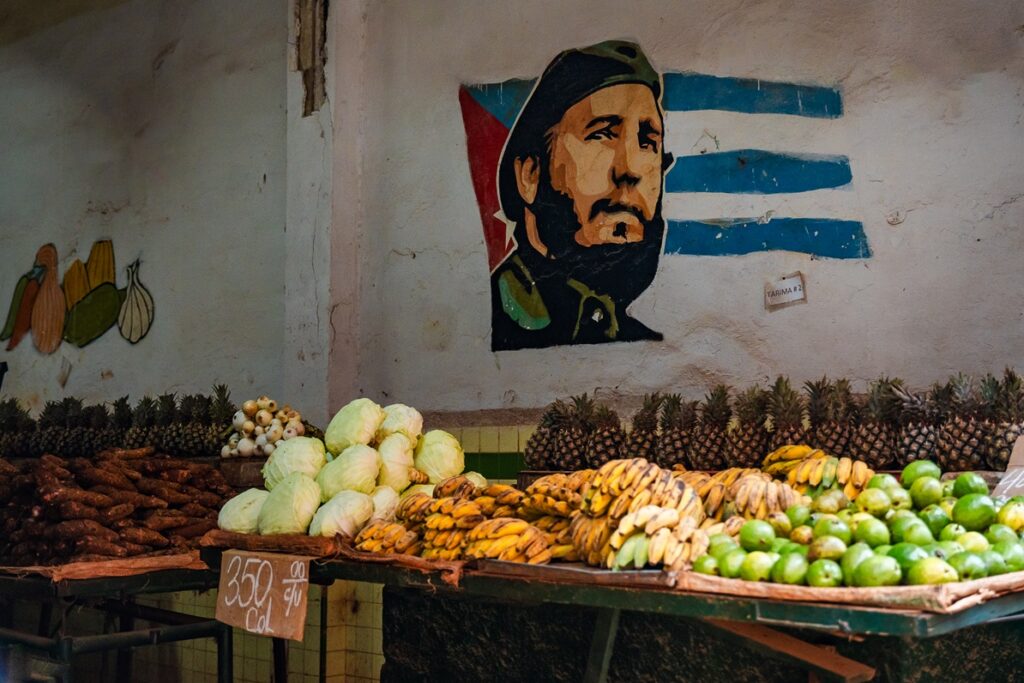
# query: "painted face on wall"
{"points": [[606, 156]]}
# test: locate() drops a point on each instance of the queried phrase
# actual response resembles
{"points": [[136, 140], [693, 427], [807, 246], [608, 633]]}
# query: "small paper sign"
{"points": [[264, 593], [789, 289], [1012, 483]]}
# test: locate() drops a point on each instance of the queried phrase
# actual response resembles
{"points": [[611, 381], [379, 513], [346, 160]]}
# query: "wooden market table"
{"points": [[753, 622]]}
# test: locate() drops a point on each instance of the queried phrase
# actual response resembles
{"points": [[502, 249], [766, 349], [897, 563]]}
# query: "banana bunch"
{"points": [[413, 510], [418, 476], [446, 528], [556, 530], [623, 486], [508, 539], [499, 500], [733, 474], [784, 458], [455, 487], [550, 500], [713, 489], [590, 537], [574, 481], [730, 526], [388, 538], [830, 472], [654, 536], [755, 496]]}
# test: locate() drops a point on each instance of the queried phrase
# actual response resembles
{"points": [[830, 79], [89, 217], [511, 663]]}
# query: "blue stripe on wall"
{"points": [[693, 92], [756, 171], [822, 237], [505, 99]]}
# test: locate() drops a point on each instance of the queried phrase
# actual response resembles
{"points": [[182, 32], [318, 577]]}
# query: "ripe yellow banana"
{"points": [[844, 470], [828, 477]]}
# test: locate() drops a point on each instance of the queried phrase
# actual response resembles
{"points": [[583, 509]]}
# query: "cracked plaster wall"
{"points": [[159, 124], [933, 94]]}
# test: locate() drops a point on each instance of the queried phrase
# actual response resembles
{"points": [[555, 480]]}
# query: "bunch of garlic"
{"points": [[259, 425]]}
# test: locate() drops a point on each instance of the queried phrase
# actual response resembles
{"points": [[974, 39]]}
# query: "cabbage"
{"points": [[401, 419], [385, 500], [418, 488], [241, 513], [355, 423], [440, 456], [298, 454], [344, 514], [479, 480], [355, 469], [290, 506], [396, 461]]}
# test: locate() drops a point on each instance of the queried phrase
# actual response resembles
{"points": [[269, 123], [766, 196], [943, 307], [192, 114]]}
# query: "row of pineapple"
{"points": [[192, 426], [962, 424]]}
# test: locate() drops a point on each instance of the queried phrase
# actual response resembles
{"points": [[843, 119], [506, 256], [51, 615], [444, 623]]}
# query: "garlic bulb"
{"points": [[136, 314]]}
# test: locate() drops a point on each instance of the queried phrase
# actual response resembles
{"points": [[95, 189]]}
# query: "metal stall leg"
{"points": [[280, 660], [601, 645], [225, 654], [126, 622]]}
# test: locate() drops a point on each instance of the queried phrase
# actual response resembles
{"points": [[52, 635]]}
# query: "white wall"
{"points": [[933, 94], [159, 124]]}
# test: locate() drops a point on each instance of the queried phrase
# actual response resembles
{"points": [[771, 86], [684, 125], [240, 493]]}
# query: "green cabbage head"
{"points": [[299, 454], [385, 501], [418, 488], [401, 419], [344, 514], [355, 469], [290, 506], [396, 461], [440, 456], [355, 423], [479, 480], [241, 513]]}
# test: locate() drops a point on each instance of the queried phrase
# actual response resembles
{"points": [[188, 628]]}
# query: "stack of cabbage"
{"points": [[371, 456]]}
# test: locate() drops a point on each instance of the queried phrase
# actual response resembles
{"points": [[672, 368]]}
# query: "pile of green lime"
{"points": [[913, 530]]}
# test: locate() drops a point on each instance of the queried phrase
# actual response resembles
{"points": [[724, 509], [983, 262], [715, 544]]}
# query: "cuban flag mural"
{"points": [[718, 195]]}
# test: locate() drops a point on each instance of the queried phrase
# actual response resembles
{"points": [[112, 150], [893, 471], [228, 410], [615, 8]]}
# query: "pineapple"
{"points": [[193, 424], [787, 414], [570, 451], [16, 430], [607, 441], [918, 435], [830, 410], [964, 435], [748, 436], [221, 412], [95, 430], [875, 439], [1009, 416], [142, 432], [539, 449], [74, 421], [709, 445], [120, 421], [51, 432], [165, 432], [644, 435], [678, 418]]}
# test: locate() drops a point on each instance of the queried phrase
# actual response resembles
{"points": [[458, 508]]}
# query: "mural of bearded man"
{"points": [[582, 177]]}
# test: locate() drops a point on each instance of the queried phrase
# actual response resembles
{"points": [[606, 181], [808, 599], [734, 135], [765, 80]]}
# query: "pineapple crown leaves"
{"points": [[646, 418], [965, 402], [145, 413], [9, 415], [677, 413], [914, 408], [582, 412], [882, 403], [1010, 401], [122, 416], [844, 405], [52, 415], [95, 416], [750, 406], [201, 409], [606, 418], [166, 410], [716, 411], [785, 405], [820, 400], [222, 409], [72, 412], [990, 392], [940, 402]]}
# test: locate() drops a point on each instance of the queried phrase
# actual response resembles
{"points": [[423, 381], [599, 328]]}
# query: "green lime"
{"points": [[875, 502], [1013, 554], [917, 469], [968, 483], [994, 562], [948, 549], [931, 570], [789, 547], [877, 571], [798, 515], [947, 488], [935, 518], [974, 542], [730, 563], [706, 564], [882, 549], [900, 499], [790, 569], [1000, 532], [951, 532], [778, 544], [824, 574], [854, 555], [969, 565], [907, 554], [826, 547], [1012, 515], [802, 549], [872, 531], [857, 518], [886, 482], [918, 534], [757, 566], [720, 544], [846, 516], [780, 522], [925, 491], [897, 515], [721, 537], [975, 511], [947, 504], [802, 534], [833, 527], [832, 501], [933, 549], [756, 535]]}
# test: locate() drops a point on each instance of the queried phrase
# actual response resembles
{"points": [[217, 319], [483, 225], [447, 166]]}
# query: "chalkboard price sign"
{"points": [[264, 593]]}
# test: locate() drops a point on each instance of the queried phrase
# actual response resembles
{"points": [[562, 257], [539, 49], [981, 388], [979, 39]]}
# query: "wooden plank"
{"points": [[602, 644], [826, 665]]}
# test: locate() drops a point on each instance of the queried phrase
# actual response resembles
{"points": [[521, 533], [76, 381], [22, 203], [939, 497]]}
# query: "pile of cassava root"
{"points": [[121, 503]]}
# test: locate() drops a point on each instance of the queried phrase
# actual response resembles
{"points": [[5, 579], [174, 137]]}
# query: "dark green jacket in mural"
{"points": [[537, 306]]}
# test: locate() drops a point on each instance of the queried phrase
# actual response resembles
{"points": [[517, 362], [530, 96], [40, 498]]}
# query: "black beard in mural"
{"points": [[581, 177]]}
